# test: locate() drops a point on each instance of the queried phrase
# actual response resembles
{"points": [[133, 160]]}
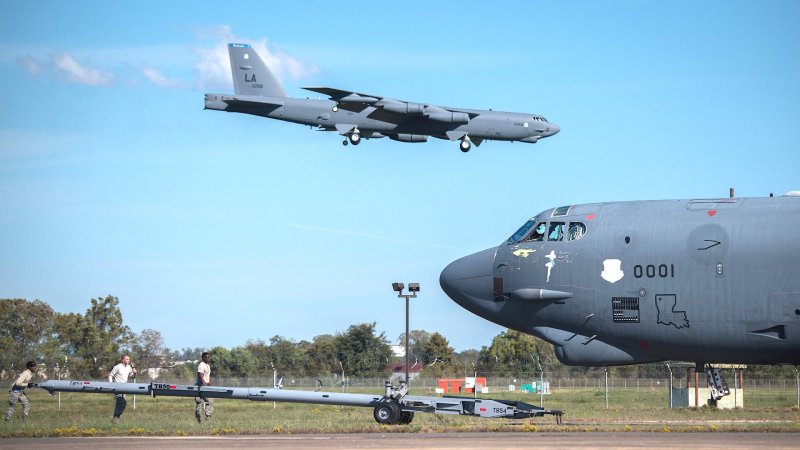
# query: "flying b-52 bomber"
{"points": [[357, 115], [705, 280]]}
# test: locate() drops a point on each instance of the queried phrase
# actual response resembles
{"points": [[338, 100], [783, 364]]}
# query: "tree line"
{"points": [[89, 344]]}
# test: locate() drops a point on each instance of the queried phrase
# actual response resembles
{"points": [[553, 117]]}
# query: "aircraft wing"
{"points": [[349, 100], [339, 94], [393, 110]]}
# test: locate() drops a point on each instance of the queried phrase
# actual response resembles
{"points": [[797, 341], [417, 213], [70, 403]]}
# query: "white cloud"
{"points": [[30, 64], [78, 73], [211, 70], [214, 68], [66, 67], [158, 79]]}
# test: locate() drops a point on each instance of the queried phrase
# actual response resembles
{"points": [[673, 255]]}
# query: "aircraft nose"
{"points": [[468, 281], [554, 129]]}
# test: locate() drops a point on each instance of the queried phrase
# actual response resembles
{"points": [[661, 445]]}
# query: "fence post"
{"points": [[797, 383]]}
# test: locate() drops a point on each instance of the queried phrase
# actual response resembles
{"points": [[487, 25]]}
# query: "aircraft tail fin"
{"points": [[250, 75]]}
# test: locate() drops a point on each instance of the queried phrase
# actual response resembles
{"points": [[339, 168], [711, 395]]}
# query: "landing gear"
{"points": [[388, 413], [465, 144], [352, 138], [406, 417]]}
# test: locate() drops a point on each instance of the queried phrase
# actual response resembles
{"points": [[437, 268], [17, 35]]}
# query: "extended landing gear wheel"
{"points": [[355, 138], [465, 145], [387, 413], [406, 417], [344, 142]]}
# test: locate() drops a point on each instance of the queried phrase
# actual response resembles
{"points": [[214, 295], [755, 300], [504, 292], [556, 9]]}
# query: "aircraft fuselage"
{"points": [[623, 283], [325, 114]]}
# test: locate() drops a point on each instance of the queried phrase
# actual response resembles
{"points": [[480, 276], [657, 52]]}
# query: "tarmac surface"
{"points": [[483, 441]]}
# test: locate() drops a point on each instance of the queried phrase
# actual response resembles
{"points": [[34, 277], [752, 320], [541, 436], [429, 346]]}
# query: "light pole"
{"points": [[413, 288]]}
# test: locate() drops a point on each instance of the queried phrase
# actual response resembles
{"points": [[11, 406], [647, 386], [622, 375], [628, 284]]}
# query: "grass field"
{"points": [[584, 411]]}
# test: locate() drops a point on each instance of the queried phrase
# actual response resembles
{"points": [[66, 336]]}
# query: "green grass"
{"points": [[629, 410]]}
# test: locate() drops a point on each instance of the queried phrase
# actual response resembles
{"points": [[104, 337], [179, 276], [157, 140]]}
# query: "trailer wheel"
{"points": [[387, 413], [406, 417]]}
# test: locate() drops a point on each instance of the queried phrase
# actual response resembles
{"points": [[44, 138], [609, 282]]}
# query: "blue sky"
{"points": [[216, 228]]}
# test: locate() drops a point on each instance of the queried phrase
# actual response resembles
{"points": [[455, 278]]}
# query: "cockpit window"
{"points": [[560, 211], [576, 231], [556, 232], [538, 232], [520, 234], [535, 231]]}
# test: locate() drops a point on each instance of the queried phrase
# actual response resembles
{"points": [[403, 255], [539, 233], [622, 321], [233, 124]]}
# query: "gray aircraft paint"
{"points": [[695, 280], [356, 115]]}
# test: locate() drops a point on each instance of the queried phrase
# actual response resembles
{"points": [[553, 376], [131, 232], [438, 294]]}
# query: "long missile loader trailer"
{"points": [[394, 407]]}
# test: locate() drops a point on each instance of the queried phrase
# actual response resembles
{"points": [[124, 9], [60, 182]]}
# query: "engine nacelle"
{"points": [[402, 107], [355, 98], [448, 117], [410, 137]]}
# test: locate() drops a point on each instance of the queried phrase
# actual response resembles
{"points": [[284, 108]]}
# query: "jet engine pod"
{"points": [[356, 98], [410, 138], [448, 117], [401, 107]]}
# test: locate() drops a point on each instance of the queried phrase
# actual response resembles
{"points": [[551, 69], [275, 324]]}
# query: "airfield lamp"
{"points": [[413, 288]]}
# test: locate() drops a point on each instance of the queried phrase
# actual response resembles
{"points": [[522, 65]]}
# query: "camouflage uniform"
{"points": [[207, 404], [17, 395]]}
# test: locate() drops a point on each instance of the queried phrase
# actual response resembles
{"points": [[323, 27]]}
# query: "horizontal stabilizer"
{"points": [[266, 101], [253, 101], [222, 102]]}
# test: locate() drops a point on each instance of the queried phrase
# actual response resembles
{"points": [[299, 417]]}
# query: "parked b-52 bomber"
{"points": [[707, 281], [356, 115]]}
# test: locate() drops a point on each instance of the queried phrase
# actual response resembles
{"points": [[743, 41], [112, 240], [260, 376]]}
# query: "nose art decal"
{"points": [[612, 271], [550, 264]]}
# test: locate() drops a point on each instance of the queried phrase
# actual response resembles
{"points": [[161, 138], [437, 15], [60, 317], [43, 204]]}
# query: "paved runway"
{"points": [[482, 441]]}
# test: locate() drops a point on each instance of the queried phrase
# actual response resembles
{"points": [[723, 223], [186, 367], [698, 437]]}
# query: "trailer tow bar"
{"points": [[395, 406]]}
